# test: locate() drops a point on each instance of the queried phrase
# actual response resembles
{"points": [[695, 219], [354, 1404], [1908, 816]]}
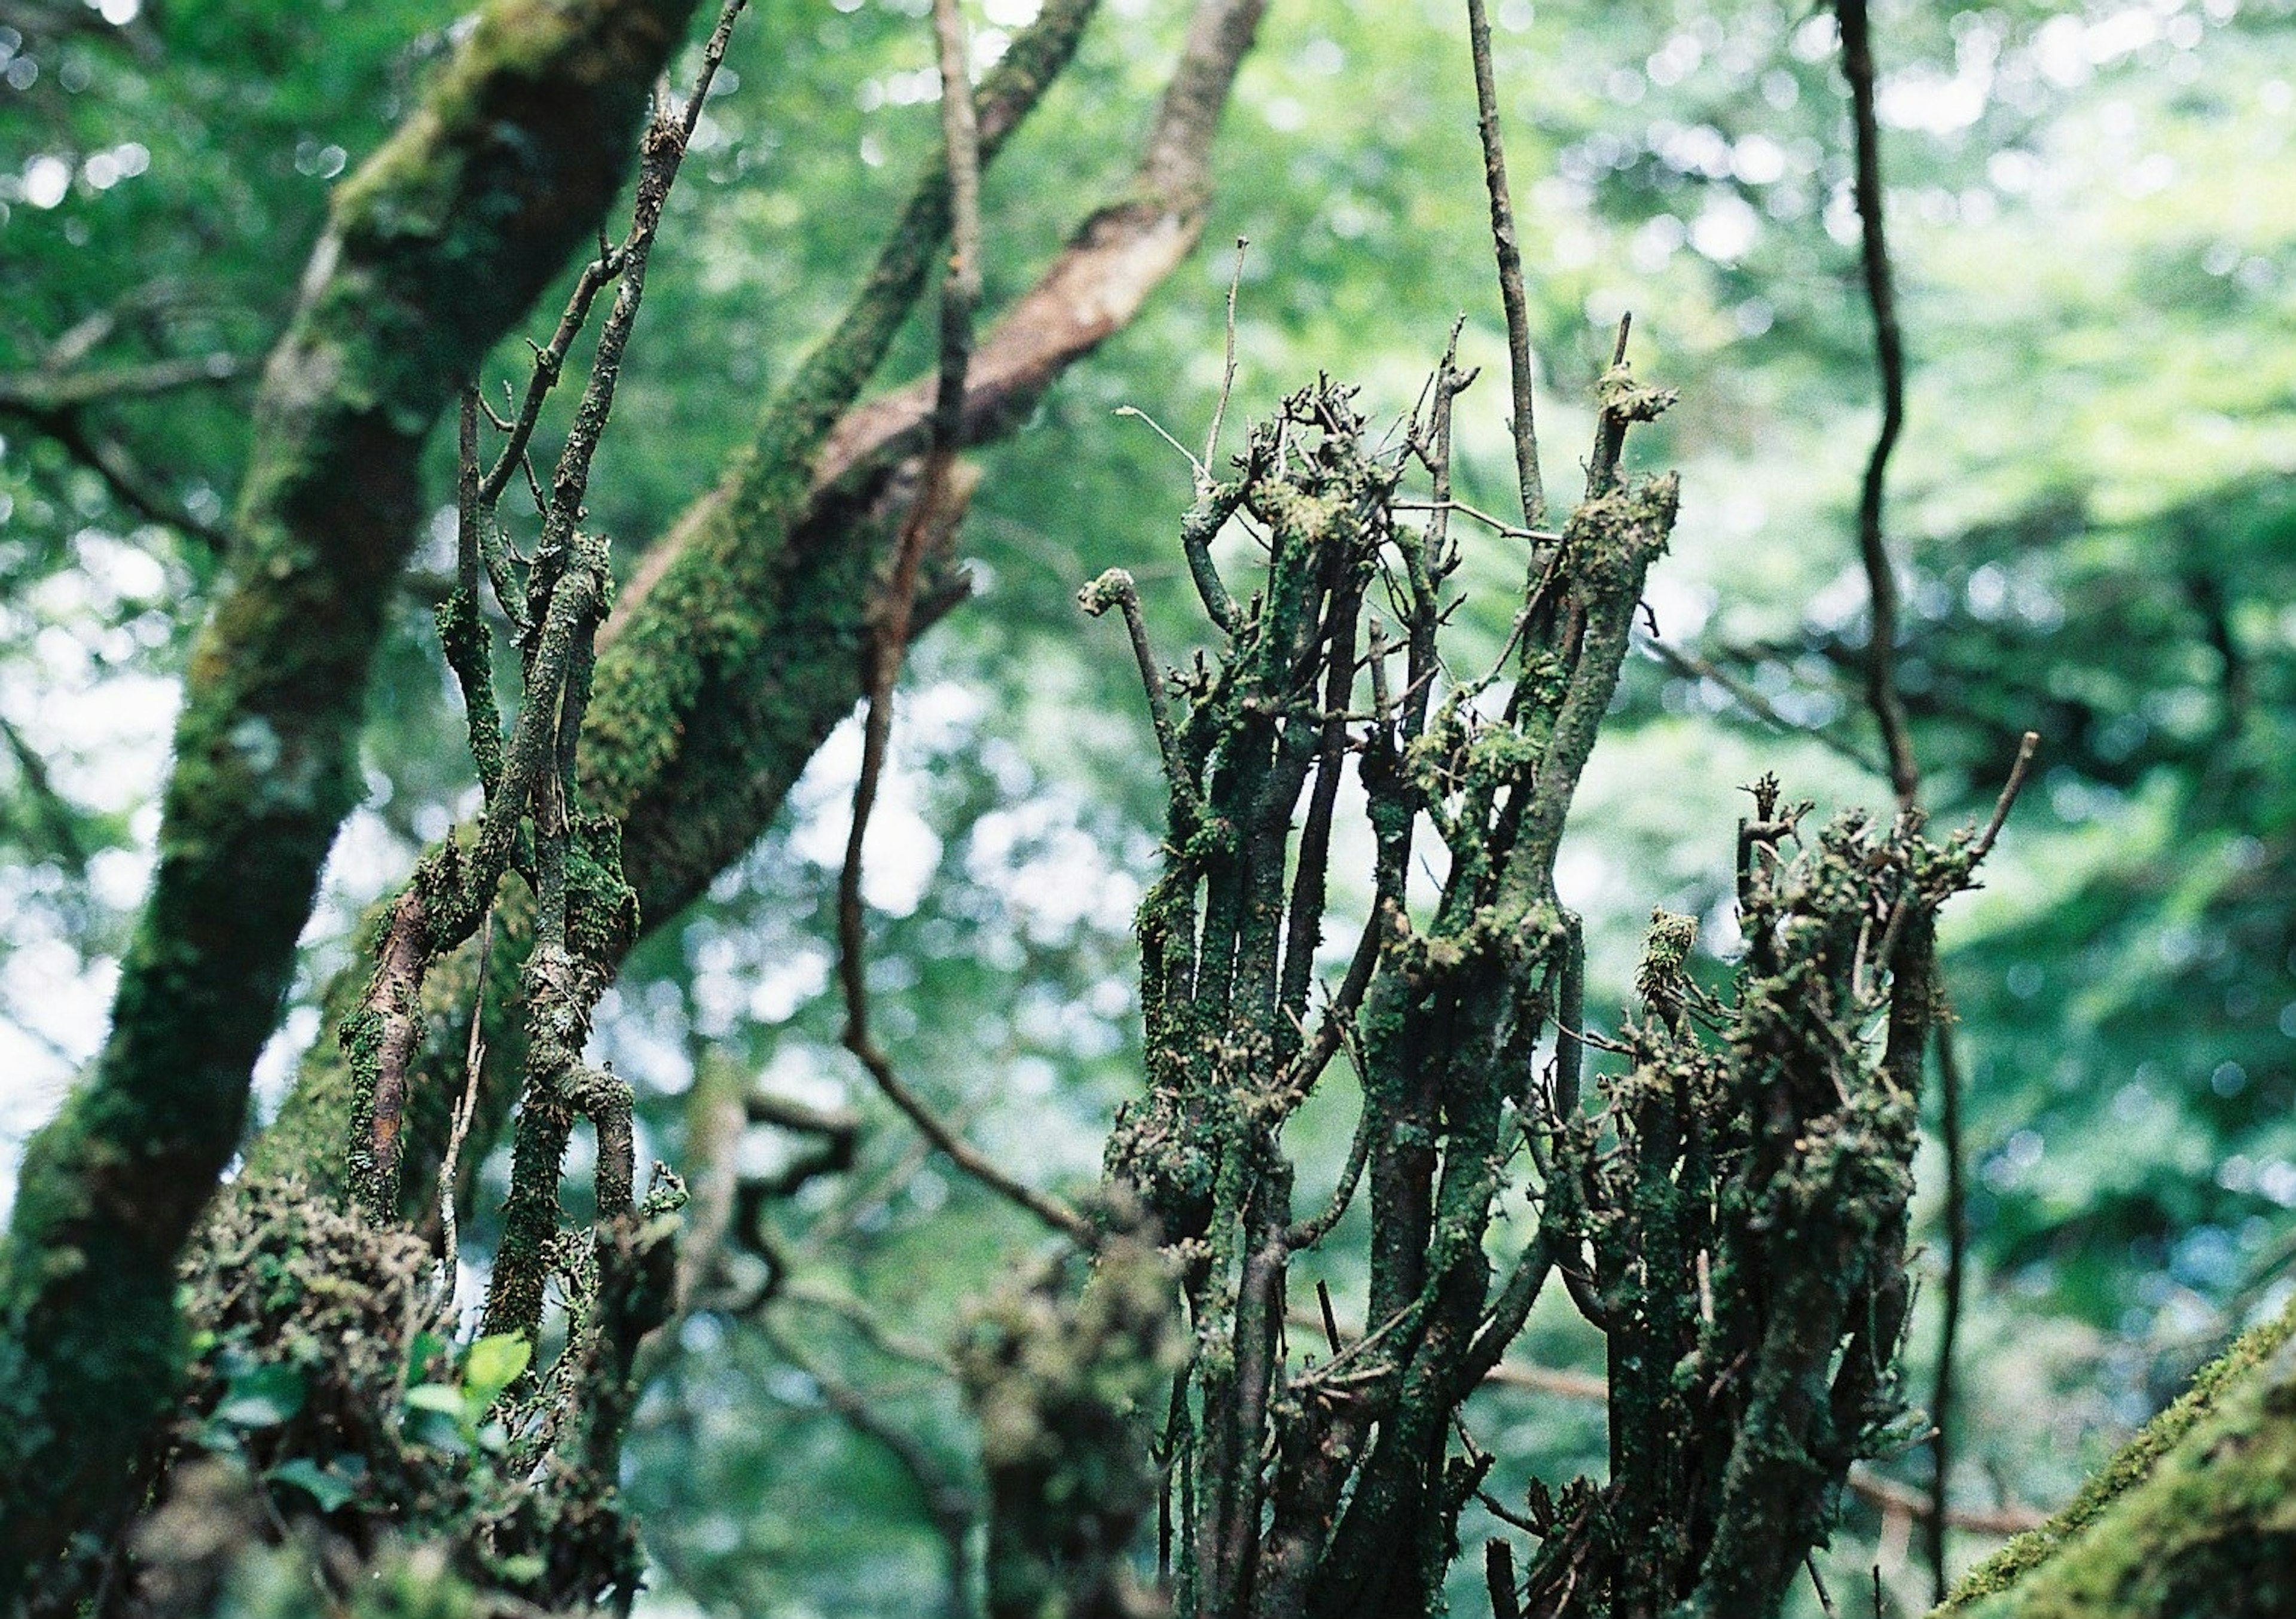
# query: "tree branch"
{"points": [[1509, 259], [1889, 358], [37, 393], [700, 780]]}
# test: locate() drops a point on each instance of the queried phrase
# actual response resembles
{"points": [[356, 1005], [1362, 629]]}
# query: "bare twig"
{"points": [[1888, 348], [1205, 474], [1509, 260], [549, 365], [1498, 525], [2027, 745]]}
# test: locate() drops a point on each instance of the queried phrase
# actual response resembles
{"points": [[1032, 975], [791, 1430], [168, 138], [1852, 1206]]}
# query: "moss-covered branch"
{"points": [[2196, 1515], [441, 240]]}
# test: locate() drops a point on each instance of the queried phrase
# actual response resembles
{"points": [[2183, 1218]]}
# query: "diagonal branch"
{"points": [[697, 789], [707, 797]]}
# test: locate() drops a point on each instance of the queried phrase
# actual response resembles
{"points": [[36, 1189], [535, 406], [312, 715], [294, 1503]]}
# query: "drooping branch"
{"points": [[433, 250], [888, 644]]}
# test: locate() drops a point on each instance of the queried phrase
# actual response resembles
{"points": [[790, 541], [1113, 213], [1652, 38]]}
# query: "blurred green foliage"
{"points": [[2093, 508]]}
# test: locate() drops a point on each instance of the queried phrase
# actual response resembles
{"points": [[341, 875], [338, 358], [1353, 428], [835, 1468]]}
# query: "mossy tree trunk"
{"points": [[433, 251]]}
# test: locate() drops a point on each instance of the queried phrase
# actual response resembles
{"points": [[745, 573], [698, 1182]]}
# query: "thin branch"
{"points": [[1497, 525], [131, 484], [1889, 349], [34, 393], [953, 1507], [549, 365], [1117, 586], [960, 292], [52, 812], [2027, 745], [1957, 1249], [1509, 259], [1692, 666], [870, 1325], [1227, 375]]}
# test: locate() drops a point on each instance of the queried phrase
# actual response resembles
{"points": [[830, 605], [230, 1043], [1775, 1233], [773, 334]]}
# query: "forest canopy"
{"points": [[1234, 1098]]}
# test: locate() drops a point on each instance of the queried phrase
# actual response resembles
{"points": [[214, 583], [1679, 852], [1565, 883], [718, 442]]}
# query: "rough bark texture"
{"points": [[433, 250]]}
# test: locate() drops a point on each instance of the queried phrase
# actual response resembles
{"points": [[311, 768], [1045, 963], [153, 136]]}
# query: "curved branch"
{"points": [[1889, 358]]}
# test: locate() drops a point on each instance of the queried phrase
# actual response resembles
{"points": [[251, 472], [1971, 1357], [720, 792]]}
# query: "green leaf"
{"points": [[322, 1484], [437, 1398], [427, 1347], [264, 1396], [494, 1365]]}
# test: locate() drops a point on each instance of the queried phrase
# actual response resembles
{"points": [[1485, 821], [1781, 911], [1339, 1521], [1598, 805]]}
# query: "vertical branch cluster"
{"points": [[1731, 1213], [1329, 1488], [1741, 1197]]}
